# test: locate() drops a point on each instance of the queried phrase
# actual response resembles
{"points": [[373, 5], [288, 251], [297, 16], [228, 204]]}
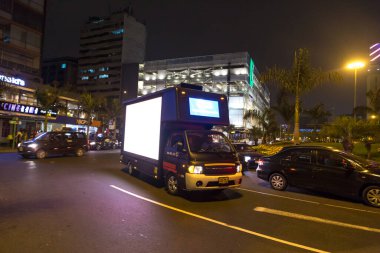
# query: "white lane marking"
{"points": [[221, 223], [314, 219], [279, 196], [311, 202]]}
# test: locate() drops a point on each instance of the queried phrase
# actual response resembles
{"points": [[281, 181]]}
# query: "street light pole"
{"points": [[355, 66], [355, 77]]}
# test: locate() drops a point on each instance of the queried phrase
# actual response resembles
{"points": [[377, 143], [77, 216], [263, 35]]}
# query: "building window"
{"points": [[84, 77], [118, 31], [103, 76], [63, 66]]}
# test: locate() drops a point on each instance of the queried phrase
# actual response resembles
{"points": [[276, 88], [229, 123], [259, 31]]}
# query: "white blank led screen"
{"points": [[142, 128]]}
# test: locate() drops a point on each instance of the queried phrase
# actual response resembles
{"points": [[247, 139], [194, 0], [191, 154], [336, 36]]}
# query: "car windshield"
{"points": [[243, 147], [207, 142], [42, 136], [359, 160]]}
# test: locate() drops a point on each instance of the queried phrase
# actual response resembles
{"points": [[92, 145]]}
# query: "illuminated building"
{"points": [[233, 74], [373, 74]]}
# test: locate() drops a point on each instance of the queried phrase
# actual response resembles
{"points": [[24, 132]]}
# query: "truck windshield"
{"points": [[207, 142]]}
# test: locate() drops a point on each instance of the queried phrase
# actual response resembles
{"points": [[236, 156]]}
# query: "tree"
{"points": [[111, 111], [300, 78], [284, 108], [90, 105], [319, 115], [48, 99], [266, 121]]}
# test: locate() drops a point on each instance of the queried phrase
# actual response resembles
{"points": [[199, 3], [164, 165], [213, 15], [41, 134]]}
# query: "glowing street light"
{"points": [[355, 66]]}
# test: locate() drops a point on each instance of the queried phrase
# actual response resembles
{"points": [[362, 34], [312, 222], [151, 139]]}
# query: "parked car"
{"points": [[54, 143], [248, 156], [323, 169], [101, 142]]}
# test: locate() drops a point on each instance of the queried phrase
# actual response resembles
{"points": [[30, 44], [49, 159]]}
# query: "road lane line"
{"points": [[308, 201], [314, 219], [279, 196], [221, 223]]}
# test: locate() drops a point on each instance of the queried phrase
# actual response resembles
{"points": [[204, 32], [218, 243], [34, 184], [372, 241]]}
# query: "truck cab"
{"points": [[199, 160]]}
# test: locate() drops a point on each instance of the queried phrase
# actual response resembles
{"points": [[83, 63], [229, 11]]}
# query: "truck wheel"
{"points": [[131, 170], [41, 154], [172, 184], [371, 196]]}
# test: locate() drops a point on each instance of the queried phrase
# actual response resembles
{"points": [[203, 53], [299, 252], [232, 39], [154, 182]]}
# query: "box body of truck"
{"points": [[167, 136]]}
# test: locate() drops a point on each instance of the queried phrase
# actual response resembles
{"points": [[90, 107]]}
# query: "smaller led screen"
{"points": [[204, 107]]}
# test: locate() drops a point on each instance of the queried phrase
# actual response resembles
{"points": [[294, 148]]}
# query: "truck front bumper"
{"points": [[197, 182]]}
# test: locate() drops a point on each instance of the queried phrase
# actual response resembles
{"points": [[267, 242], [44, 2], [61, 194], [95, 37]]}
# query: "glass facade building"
{"points": [[233, 74]]}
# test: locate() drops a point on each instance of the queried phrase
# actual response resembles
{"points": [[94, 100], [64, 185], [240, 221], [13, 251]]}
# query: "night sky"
{"points": [[334, 31]]}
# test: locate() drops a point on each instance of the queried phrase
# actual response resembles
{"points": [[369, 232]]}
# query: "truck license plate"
{"points": [[223, 180]]}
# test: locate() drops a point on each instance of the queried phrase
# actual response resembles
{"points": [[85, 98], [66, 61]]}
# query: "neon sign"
{"points": [[12, 80], [25, 109]]}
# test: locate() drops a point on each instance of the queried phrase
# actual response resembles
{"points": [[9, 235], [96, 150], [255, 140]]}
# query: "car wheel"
{"points": [[41, 154], [79, 152], [278, 182], [371, 196], [172, 184]]}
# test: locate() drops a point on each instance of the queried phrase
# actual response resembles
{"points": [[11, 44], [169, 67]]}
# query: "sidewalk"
{"points": [[6, 149]]}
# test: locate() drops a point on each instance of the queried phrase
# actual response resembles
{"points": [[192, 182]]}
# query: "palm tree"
{"points": [[318, 114], [266, 121], [90, 105], [300, 78], [48, 99], [284, 108], [111, 111]]}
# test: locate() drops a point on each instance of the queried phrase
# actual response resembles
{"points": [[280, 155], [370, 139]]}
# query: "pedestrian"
{"points": [[367, 145], [18, 137]]}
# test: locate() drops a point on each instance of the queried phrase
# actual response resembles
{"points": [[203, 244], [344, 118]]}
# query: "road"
{"points": [[90, 204]]}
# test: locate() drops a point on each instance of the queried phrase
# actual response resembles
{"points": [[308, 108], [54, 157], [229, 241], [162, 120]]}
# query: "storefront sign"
{"points": [[12, 80], [25, 109]]}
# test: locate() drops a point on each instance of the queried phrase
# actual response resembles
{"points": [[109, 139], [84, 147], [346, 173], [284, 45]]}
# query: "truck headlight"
{"points": [[195, 169], [247, 158], [33, 145], [238, 168]]}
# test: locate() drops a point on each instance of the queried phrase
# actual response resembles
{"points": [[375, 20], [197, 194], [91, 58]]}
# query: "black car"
{"points": [[248, 156], [54, 143], [323, 169], [100, 142]]}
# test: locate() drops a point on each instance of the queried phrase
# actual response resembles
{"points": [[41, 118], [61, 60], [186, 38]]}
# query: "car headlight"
{"points": [[19, 144], [92, 143], [33, 145], [195, 169], [238, 168], [247, 158]]}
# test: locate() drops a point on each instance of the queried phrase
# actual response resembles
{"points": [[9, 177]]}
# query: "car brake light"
{"points": [[260, 162]]}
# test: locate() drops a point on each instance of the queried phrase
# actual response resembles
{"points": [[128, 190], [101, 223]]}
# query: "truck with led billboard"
{"points": [[168, 136]]}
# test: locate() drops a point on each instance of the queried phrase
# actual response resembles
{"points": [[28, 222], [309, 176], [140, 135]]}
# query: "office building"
{"points": [[373, 74], [62, 72], [106, 43], [233, 74]]}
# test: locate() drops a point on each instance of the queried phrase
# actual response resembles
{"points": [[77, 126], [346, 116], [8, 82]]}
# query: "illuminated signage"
{"points": [[12, 80], [251, 72], [25, 109], [204, 107]]}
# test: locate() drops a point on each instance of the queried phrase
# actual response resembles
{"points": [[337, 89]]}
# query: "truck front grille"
{"points": [[211, 169]]}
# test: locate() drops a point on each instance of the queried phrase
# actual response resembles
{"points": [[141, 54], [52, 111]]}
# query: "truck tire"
{"points": [[172, 184], [131, 170]]}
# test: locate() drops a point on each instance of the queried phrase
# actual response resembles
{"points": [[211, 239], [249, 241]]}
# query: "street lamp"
{"points": [[355, 66]]}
